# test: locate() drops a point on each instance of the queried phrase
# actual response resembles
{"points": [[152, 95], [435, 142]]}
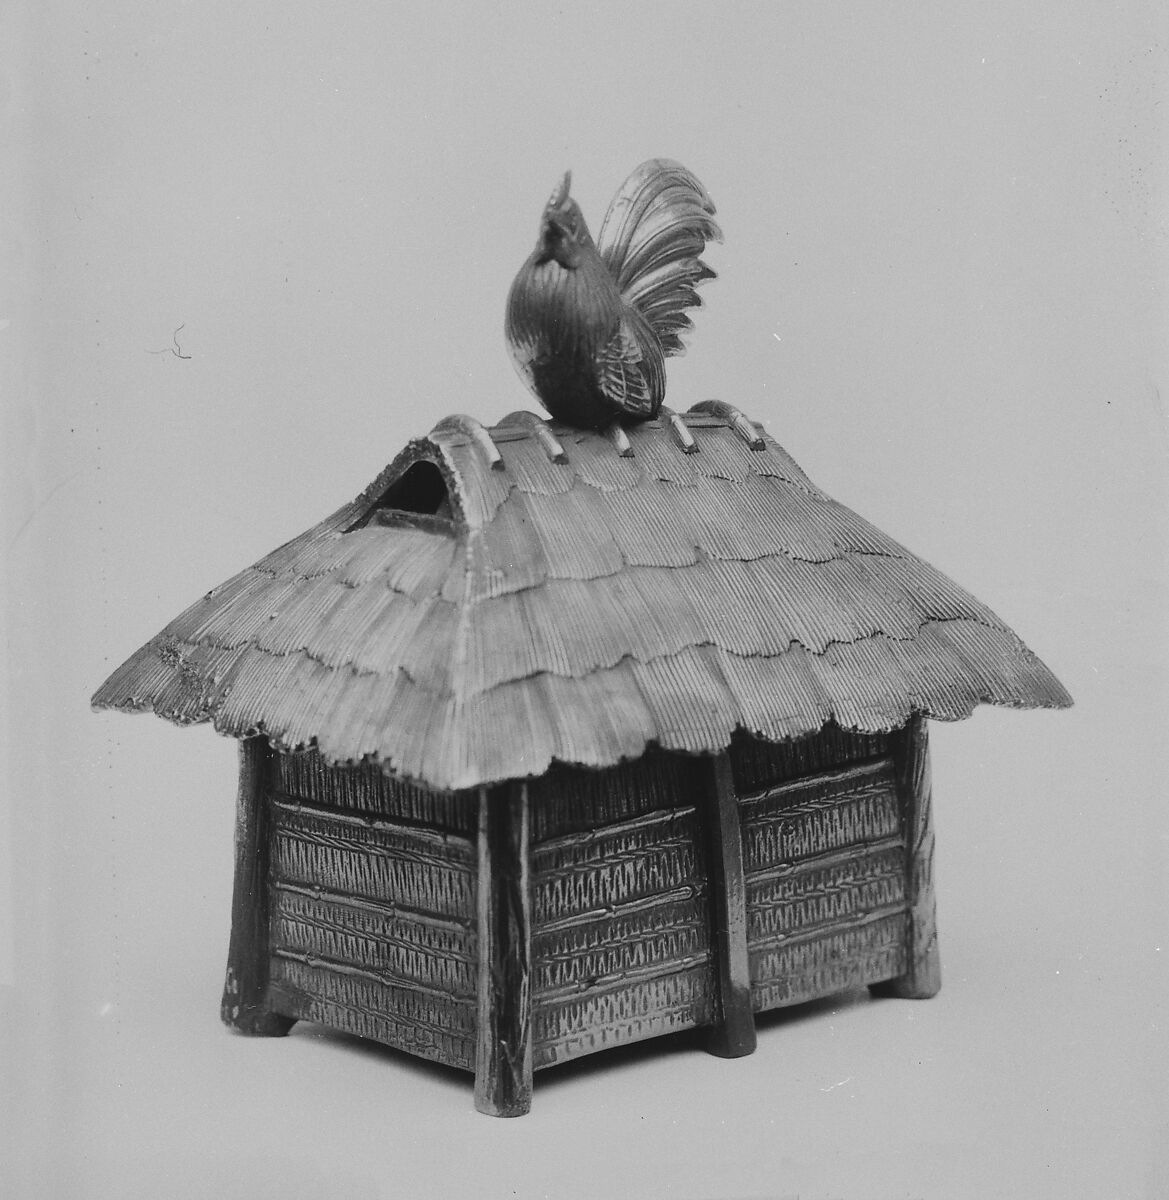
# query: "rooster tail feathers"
{"points": [[656, 227], [658, 197]]}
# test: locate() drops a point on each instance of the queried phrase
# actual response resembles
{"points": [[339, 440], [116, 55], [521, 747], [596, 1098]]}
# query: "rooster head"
{"points": [[563, 232]]}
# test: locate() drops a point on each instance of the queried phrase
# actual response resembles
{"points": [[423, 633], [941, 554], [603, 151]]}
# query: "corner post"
{"points": [[923, 976], [734, 1034], [503, 1052], [245, 1001]]}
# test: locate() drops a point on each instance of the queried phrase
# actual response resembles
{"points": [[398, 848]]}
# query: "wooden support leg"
{"points": [[734, 1035], [923, 977], [244, 1005], [503, 1053]]}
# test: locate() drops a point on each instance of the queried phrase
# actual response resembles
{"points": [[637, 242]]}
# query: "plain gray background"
{"points": [[942, 289]]}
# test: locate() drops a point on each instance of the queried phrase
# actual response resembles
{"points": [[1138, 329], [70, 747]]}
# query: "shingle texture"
{"points": [[579, 610]]}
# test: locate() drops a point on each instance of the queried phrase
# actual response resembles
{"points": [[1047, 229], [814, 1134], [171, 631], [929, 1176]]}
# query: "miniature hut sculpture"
{"points": [[556, 739]]}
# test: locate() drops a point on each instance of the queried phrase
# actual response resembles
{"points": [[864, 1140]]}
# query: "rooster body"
{"points": [[589, 325]]}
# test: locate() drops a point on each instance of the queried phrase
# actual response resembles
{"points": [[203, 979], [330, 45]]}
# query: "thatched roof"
{"points": [[576, 597]]}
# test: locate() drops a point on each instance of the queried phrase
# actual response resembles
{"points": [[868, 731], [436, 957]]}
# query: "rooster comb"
{"points": [[560, 191]]}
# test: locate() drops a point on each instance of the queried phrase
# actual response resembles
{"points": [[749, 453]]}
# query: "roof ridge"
{"points": [[523, 419], [741, 424], [522, 423]]}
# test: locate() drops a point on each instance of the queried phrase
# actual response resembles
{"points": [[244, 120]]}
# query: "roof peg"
{"points": [[682, 435], [523, 419], [620, 440], [734, 418], [480, 438]]}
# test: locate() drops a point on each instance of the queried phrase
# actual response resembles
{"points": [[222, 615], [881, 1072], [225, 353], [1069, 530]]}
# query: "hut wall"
{"points": [[372, 894], [824, 857], [621, 941], [372, 906]]}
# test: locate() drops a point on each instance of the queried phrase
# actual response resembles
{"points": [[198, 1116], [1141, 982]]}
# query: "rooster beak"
{"points": [[552, 231]]}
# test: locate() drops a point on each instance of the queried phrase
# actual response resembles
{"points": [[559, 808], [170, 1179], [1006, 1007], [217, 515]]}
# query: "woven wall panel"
{"points": [[818, 892], [421, 1022], [756, 764], [582, 952], [828, 815], [621, 920], [372, 907], [831, 961], [599, 1020], [396, 867], [399, 945], [618, 864], [368, 789], [569, 800]]}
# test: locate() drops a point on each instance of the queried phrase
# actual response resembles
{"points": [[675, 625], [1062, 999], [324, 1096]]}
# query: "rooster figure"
{"points": [[589, 324]]}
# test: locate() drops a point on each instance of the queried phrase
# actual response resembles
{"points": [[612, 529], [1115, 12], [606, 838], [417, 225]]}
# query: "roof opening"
{"points": [[420, 490]]}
